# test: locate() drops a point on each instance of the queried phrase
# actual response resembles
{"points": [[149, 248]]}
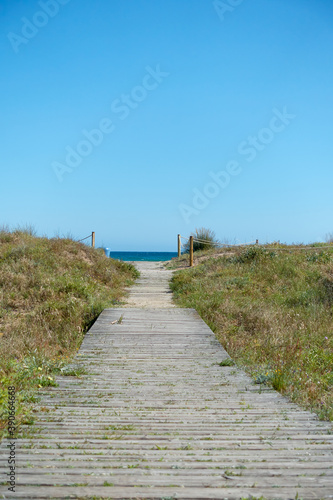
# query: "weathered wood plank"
{"points": [[170, 492]]}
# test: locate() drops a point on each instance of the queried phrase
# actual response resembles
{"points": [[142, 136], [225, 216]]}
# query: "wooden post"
{"points": [[93, 239], [179, 246], [191, 251]]}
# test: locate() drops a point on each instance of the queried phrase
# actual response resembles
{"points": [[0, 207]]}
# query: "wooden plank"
{"points": [[170, 492]]}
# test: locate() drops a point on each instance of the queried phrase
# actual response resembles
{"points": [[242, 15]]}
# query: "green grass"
{"points": [[272, 310], [51, 292], [227, 362]]}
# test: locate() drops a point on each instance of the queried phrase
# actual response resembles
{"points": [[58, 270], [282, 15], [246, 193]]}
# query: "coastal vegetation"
{"points": [[51, 291], [271, 307], [203, 239]]}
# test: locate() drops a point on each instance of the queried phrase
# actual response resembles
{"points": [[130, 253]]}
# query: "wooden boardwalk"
{"points": [[152, 289], [157, 417]]}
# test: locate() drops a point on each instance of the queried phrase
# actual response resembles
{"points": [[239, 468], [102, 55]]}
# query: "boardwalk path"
{"points": [[152, 288], [157, 417]]}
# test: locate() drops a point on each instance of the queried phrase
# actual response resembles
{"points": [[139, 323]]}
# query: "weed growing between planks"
{"points": [[273, 312], [51, 291]]}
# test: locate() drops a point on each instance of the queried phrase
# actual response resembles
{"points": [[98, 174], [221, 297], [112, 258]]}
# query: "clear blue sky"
{"points": [[181, 91]]}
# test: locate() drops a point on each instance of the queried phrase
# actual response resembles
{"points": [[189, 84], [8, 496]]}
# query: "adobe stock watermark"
{"points": [[31, 27], [249, 149], [121, 107], [11, 426], [223, 7]]}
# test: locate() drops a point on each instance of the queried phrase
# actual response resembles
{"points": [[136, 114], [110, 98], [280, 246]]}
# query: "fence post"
{"points": [[191, 251], [93, 239], [179, 246]]}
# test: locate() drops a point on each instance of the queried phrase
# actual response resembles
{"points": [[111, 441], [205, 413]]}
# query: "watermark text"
{"points": [[11, 428], [223, 7], [31, 27], [121, 108], [249, 149]]}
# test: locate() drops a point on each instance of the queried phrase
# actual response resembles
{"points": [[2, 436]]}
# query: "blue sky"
{"points": [[142, 119]]}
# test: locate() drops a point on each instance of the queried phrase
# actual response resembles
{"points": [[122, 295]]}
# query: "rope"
{"points": [[202, 242], [224, 244], [205, 242], [84, 238], [221, 245]]}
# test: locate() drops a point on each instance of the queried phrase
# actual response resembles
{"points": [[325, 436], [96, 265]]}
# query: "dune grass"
{"points": [[51, 291], [272, 310], [204, 239]]}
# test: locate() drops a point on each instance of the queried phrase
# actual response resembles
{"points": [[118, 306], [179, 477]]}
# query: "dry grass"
{"points": [[51, 291], [273, 312]]}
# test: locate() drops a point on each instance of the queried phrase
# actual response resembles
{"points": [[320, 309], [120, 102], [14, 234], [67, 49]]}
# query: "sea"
{"points": [[135, 256]]}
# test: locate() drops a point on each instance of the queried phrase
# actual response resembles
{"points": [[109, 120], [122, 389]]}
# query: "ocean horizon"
{"points": [[140, 256]]}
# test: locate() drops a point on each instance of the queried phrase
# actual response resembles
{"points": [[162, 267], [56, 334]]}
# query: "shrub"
{"points": [[207, 240]]}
